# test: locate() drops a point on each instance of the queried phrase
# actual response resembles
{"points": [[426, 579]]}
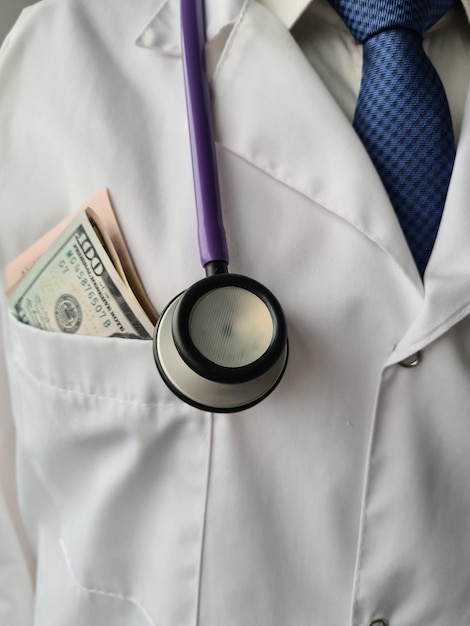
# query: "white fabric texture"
{"points": [[340, 499]]}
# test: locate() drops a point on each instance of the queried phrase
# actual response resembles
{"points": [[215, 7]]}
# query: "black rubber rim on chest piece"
{"points": [[204, 366]]}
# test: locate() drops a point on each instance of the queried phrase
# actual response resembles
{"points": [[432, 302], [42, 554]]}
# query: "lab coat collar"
{"points": [[163, 31]]}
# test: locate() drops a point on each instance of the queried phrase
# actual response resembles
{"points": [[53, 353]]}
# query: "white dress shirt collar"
{"points": [[163, 31]]}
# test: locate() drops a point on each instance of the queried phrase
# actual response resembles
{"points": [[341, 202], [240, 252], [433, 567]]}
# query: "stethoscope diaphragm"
{"points": [[222, 344]]}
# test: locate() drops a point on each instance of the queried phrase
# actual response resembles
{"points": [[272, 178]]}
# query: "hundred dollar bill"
{"points": [[74, 287], [106, 223]]}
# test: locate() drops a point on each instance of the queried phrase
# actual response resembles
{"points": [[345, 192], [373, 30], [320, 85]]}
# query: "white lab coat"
{"points": [[344, 497]]}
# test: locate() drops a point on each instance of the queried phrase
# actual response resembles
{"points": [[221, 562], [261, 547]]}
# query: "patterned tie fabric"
{"points": [[402, 114]]}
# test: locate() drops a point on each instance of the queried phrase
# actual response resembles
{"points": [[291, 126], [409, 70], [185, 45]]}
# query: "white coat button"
{"points": [[379, 622], [411, 361]]}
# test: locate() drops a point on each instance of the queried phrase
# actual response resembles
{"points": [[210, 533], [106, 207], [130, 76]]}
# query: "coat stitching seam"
{"points": [[85, 394], [53, 493], [102, 593]]}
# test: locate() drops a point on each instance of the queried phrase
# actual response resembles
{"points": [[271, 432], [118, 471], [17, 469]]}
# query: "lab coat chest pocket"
{"points": [[123, 465]]}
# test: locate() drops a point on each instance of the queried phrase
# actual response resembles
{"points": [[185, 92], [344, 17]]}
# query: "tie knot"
{"points": [[365, 18]]}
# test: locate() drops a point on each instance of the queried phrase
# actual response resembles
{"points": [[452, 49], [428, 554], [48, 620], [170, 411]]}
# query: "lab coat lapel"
{"points": [[447, 277], [272, 109]]}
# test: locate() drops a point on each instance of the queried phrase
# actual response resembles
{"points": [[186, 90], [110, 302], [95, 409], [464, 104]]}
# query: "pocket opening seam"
{"points": [[92, 395]]}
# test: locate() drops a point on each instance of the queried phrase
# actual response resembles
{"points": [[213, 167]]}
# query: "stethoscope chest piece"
{"points": [[222, 344]]}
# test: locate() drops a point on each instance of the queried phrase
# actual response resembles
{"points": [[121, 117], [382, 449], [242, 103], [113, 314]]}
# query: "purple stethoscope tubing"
{"points": [[221, 345], [211, 232]]}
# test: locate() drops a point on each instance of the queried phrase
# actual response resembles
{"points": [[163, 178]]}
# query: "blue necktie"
{"points": [[402, 114]]}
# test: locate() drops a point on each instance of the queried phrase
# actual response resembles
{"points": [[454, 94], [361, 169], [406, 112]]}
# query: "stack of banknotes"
{"points": [[79, 278]]}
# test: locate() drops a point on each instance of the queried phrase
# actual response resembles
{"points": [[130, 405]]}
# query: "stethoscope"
{"points": [[221, 345]]}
